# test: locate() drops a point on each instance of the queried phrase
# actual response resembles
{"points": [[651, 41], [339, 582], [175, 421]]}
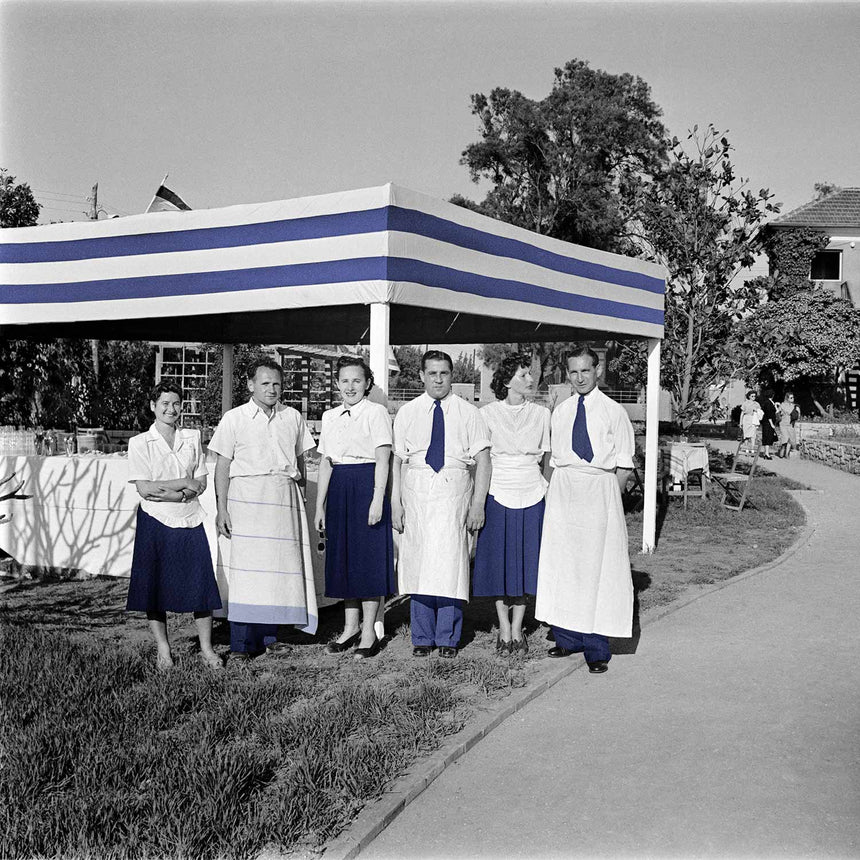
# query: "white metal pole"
{"points": [[652, 425], [380, 329], [226, 377]]}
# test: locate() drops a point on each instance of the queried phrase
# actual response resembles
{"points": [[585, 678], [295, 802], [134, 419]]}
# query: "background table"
{"points": [[685, 457], [81, 516]]}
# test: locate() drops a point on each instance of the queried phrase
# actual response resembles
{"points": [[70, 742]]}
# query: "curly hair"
{"points": [[166, 386], [355, 361], [506, 371]]}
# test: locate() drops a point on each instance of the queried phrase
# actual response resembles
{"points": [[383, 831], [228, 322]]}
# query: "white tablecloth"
{"points": [[82, 515], [686, 457]]}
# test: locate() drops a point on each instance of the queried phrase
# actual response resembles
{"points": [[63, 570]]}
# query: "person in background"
{"points": [[584, 587], [787, 415], [751, 415], [768, 423], [171, 569], [259, 478], [506, 556], [437, 437], [352, 509]]}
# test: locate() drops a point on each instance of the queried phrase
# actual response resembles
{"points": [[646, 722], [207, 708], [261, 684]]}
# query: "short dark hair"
{"points": [[580, 351], [255, 364], [436, 355], [750, 394], [355, 361], [166, 386], [768, 393], [506, 371]]}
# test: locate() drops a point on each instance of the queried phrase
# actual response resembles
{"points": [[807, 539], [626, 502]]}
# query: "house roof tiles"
{"points": [[840, 209]]}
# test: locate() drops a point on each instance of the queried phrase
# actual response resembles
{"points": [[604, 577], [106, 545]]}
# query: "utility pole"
{"points": [[94, 216]]}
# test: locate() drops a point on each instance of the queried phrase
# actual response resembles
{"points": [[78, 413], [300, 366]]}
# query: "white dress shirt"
{"points": [[351, 434], [609, 430], [465, 432], [150, 458], [260, 444], [519, 437]]}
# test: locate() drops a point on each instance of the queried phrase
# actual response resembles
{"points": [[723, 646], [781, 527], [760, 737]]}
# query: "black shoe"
{"points": [[421, 651], [278, 648], [598, 667], [503, 647], [339, 647], [364, 653], [448, 652], [558, 651]]}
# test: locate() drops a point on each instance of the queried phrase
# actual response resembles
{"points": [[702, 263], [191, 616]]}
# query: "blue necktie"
{"points": [[435, 457], [581, 443]]}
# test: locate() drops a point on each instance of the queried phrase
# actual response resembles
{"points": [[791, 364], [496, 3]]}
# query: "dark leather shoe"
{"points": [[558, 651], [447, 652], [503, 647], [598, 667], [365, 653], [421, 651], [339, 647]]}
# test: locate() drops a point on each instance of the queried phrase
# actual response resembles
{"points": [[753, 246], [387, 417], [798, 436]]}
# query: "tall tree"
{"points": [[409, 361], [18, 207], [700, 222], [565, 166], [121, 390], [465, 370]]}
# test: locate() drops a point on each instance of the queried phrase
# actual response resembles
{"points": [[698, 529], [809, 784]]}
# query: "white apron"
{"points": [[265, 570], [434, 549], [584, 581]]}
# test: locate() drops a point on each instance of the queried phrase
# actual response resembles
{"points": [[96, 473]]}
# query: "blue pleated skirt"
{"points": [[171, 569], [359, 559], [506, 555]]}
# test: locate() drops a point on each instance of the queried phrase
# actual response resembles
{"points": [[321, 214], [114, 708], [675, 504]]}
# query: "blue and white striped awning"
{"points": [[384, 244]]}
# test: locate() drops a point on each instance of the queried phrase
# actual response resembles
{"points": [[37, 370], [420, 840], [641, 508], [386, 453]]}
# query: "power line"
{"points": [[59, 194]]}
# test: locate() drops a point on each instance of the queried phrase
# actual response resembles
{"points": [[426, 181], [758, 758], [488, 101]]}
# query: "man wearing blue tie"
{"points": [[437, 437], [584, 588]]}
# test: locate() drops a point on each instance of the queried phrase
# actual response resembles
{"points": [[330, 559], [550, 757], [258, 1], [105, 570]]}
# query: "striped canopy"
{"points": [[304, 270]]}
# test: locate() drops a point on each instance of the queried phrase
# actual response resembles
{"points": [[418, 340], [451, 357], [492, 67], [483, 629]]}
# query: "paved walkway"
{"points": [[734, 731]]}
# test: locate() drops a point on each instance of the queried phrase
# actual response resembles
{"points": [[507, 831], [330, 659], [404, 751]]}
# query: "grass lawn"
{"points": [[103, 757]]}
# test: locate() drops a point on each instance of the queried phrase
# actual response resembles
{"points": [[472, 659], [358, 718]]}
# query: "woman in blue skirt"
{"points": [[171, 569], [353, 510], [506, 556]]}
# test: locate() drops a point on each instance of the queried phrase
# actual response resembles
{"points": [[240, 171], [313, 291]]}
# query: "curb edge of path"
{"points": [[377, 815]]}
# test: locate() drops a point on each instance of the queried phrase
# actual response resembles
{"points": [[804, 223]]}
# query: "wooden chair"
{"points": [[735, 485]]}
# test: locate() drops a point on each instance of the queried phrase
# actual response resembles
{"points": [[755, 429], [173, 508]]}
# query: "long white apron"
{"points": [[265, 570], [584, 582], [434, 550]]}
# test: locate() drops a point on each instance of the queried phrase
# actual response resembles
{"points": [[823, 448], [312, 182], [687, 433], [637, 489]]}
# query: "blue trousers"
{"points": [[436, 620], [594, 645], [247, 638]]}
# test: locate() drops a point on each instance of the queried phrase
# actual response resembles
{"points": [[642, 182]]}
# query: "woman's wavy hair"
{"points": [[353, 361], [506, 371]]}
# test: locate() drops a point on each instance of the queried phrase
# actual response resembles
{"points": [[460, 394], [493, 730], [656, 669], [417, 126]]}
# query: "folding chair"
{"points": [[736, 484]]}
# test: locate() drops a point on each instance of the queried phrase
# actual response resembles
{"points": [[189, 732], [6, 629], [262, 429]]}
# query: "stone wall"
{"points": [[817, 429], [831, 452]]}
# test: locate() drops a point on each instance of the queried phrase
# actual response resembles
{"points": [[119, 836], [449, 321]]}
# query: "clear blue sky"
{"points": [[251, 101]]}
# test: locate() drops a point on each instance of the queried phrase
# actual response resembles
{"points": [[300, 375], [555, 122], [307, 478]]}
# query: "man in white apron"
{"points": [[437, 437], [266, 560], [584, 589]]}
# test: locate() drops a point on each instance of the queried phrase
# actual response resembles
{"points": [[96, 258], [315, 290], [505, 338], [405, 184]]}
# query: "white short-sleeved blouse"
{"points": [[351, 434], [150, 458], [519, 437]]}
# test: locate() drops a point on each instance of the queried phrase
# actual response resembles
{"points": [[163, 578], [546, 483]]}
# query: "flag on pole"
{"points": [[166, 200], [393, 366]]}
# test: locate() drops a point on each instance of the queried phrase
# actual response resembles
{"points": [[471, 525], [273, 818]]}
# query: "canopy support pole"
{"points": [[652, 426], [380, 331], [226, 377]]}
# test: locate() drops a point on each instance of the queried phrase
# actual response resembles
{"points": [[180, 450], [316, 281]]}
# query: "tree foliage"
{"points": [[18, 207], [121, 394], [243, 355], [465, 370], [409, 360], [700, 222], [566, 165]]}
